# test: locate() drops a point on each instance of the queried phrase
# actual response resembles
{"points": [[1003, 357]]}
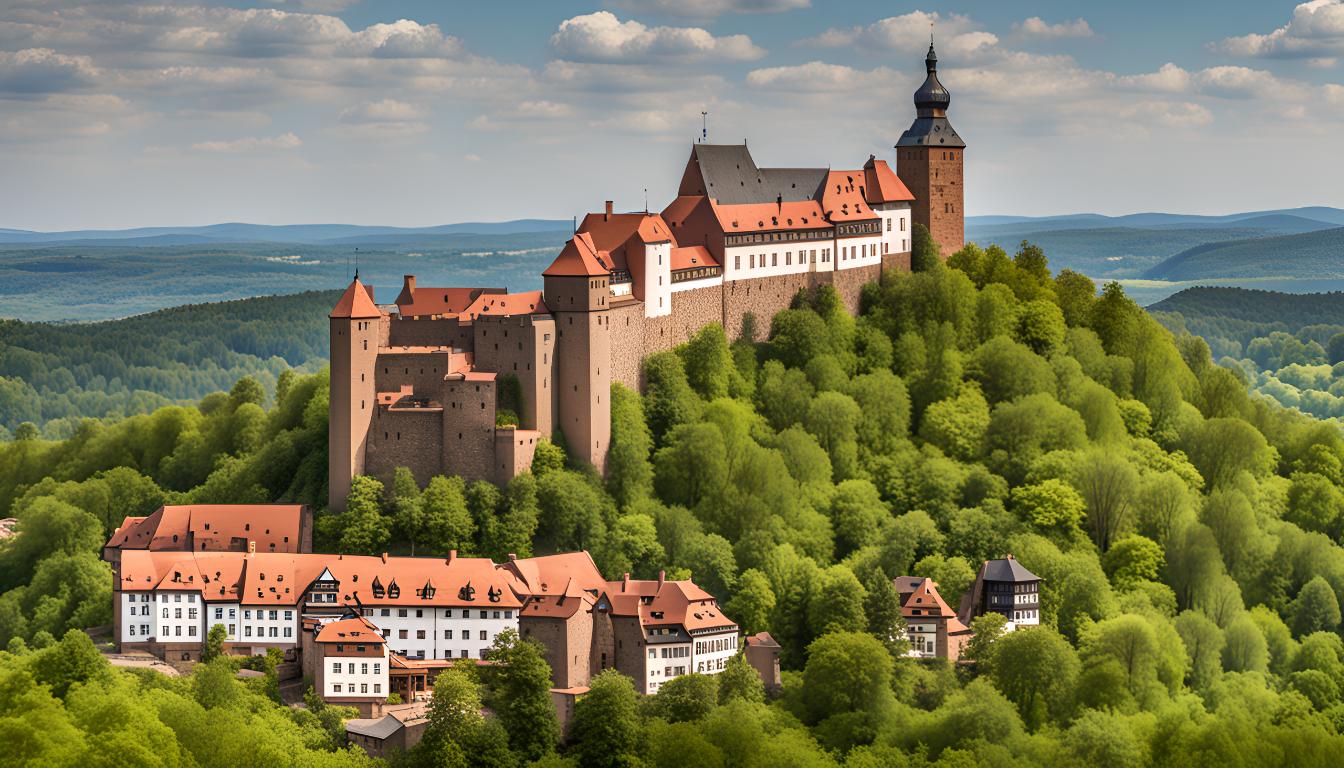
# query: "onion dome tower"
{"points": [[929, 160]]}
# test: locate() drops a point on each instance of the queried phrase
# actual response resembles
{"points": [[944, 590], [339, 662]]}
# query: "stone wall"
{"points": [[423, 371], [762, 297], [568, 644], [934, 176], [405, 437], [522, 346], [896, 262], [627, 343], [848, 283], [428, 333], [469, 429], [514, 449]]}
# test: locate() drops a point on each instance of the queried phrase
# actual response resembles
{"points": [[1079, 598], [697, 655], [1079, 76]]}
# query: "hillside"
{"points": [[53, 375], [1186, 535], [1306, 255], [285, 233], [1286, 310]]}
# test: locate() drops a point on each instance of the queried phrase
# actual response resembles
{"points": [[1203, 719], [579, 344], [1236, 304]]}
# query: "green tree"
{"points": [[1106, 483], [446, 522], [520, 683], [605, 729], [1051, 505], [753, 602], [845, 672], [1315, 608], [797, 336], [214, 643], [986, 630], [407, 512], [925, 255], [739, 681], [882, 607], [1037, 670], [668, 398], [1204, 643], [836, 604], [1132, 560], [1040, 325], [629, 473], [958, 425], [685, 698], [833, 419]]}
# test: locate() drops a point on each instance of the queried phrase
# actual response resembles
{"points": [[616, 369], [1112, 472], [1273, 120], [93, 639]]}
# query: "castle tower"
{"points": [[577, 291], [355, 327], [929, 159]]}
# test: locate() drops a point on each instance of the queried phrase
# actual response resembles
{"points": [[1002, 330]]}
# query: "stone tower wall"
{"points": [[934, 176], [354, 353]]}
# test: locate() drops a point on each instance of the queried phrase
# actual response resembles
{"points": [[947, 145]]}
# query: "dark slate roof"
{"points": [[731, 177], [930, 132], [1008, 569]]}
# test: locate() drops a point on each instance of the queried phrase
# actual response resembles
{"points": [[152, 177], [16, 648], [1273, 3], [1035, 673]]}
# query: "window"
{"points": [[247, 631], [419, 634], [336, 667], [482, 634], [737, 261], [888, 225], [132, 629], [447, 634], [219, 613], [774, 259], [377, 687], [364, 669], [191, 630], [402, 634], [377, 668], [350, 668], [464, 654]]}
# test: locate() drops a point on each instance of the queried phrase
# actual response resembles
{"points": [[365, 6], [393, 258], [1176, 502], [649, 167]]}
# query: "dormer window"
{"points": [[494, 594], [393, 591], [467, 592], [378, 591]]}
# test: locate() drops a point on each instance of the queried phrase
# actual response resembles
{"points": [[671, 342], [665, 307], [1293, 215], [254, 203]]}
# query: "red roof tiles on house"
{"points": [[844, 197], [770, 217], [692, 257], [213, 527], [505, 304], [353, 630], [882, 185]]}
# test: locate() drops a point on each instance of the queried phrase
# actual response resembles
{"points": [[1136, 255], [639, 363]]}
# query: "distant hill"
{"points": [[1293, 310], [1317, 254], [288, 233], [1323, 214], [56, 374]]}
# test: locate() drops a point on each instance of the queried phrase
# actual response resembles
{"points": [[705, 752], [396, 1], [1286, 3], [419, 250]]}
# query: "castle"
{"points": [[467, 381]]}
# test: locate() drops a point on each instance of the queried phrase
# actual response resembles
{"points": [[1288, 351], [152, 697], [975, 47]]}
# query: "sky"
{"points": [[422, 112]]}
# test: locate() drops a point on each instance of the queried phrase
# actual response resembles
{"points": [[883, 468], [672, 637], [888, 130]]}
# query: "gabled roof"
{"points": [[882, 185], [843, 197], [356, 303], [728, 174], [579, 258], [770, 217], [554, 574], [353, 630], [212, 528], [691, 257], [661, 603], [615, 233]]}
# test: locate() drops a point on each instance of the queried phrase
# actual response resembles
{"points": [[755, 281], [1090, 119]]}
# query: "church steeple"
{"points": [[929, 158]]}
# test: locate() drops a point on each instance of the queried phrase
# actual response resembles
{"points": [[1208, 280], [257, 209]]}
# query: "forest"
{"points": [[1187, 532], [54, 375], [1292, 359]]}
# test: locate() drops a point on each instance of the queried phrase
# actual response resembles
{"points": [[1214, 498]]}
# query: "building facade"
{"points": [[932, 627], [467, 381], [1006, 587]]}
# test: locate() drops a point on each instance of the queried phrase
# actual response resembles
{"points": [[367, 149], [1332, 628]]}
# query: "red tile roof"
{"points": [[526, 303], [770, 217], [920, 600], [551, 574], [692, 256], [882, 185], [353, 630], [615, 233], [580, 257], [843, 197], [213, 527], [660, 603], [356, 302]]}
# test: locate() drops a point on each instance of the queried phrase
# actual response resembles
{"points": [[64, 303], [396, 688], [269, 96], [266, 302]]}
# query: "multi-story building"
{"points": [[931, 626], [467, 381], [1004, 586], [348, 662]]}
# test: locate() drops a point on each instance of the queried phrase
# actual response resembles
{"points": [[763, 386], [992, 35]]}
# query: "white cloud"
{"points": [[1168, 79], [41, 70], [1334, 93], [1239, 82], [1316, 28], [602, 37], [251, 144], [703, 9], [382, 118], [1038, 28], [957, 36], [818, 77]]}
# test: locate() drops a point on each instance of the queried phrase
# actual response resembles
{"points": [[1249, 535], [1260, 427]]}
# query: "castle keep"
{"points": [[466, 381]]}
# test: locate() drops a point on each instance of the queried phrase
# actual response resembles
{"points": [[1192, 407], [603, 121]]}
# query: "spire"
{"points": [[932, 99]]}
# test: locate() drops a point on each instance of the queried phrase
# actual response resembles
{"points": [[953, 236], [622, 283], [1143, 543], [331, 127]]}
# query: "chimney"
{"points": [[408, 283], [512, 557], [607, 214], [452, 555], [384, 556], [662, 576], [625, 582], [779, 201], [251, 548]]}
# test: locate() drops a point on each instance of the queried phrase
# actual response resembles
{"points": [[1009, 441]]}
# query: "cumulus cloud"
{"points": [[1168, 79], [602, 37], [1316, 28], [251, 144], [958, 36], [1038, 28], [701, 9], [818, 77], [1239, 82], [385, 117], [41, 70]]}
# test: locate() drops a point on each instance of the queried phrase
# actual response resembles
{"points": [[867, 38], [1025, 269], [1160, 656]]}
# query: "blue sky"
{"points": [[422, 112]]}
